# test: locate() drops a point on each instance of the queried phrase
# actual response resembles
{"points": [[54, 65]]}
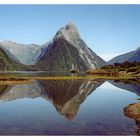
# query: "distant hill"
{"points": [[130, 56], [26, 54], [10, 62], [7, 62]]}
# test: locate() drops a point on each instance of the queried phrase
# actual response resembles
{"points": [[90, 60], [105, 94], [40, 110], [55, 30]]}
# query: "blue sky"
{"points": [[107, 29]]}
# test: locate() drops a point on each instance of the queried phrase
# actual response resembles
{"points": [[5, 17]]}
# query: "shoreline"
{"points": [[16, 77]]}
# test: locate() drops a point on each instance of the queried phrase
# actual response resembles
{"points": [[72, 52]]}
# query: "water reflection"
{"points": [[128, 85], [13, 92], [138, 124], [66, 95], [43, 74], [133, 111], [100, 114]]}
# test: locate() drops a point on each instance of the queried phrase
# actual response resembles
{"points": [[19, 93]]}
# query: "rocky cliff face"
{"points": [[68, 48]]}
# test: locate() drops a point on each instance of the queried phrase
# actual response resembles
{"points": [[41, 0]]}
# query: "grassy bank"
{"points": [[126, 70], [89, 77]]}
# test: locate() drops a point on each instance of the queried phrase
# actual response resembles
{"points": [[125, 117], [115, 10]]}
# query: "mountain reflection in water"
{"points": [[101, 115], [131, 86], [66, 95]]}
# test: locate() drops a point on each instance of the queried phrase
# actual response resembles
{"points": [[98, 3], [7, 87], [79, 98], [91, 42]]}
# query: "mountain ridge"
{"points": [[7, 62], [19, 51], [129, 56], [59, 54]]}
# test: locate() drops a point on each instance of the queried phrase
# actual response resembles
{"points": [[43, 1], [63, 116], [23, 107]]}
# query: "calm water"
{"points": [[67, 107]]}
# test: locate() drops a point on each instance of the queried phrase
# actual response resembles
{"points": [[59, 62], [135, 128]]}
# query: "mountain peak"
{"points": [[70, 26], [69, 32], [66, 49]]}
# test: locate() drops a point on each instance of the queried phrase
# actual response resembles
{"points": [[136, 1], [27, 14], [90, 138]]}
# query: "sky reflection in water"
{"points": [[67, 107]]}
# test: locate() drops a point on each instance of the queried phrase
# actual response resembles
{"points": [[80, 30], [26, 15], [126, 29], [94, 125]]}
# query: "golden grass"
{"points": [[13, 77], [14, 82]]}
